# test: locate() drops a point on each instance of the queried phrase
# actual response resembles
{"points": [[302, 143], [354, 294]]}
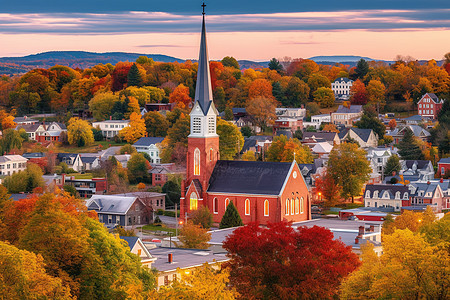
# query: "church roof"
{"points": [[203, 89], [248, 177]]}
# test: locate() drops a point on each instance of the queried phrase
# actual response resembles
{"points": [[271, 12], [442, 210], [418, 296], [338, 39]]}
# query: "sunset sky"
{"points": [[255, 30]]}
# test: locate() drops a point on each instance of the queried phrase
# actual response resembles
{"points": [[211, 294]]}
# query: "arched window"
{"points": [[297, 204], [287, 207], [397, 195], [266, 208], [196, 162], [367, 194], [405, 196], [301, 205], [216, 205], [375, 194], [227, 201], [193, 203], [292, 206], [247, 207], [211, 154]]}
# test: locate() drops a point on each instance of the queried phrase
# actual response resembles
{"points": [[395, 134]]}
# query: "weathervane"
{"points": [[203, 6]]}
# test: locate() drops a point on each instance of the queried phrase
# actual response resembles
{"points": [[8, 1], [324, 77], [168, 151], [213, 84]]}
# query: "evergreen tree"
{"points": [[231, 217], [274, 64], [369, 120], [392, 165], [134, 77], [228, 114], [409, 149], [362, 68]]}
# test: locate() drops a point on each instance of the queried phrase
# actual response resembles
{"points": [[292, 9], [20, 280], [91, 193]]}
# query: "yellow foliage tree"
{"points": [[79, 132], [284, 150], [194, 236], [262, 110], [249, 156], [133, 106], [330, 128], [135, 130], [6, 120]]}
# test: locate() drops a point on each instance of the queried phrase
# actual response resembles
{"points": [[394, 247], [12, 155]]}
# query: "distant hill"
{"points": [[340, 58], [73, 59]]}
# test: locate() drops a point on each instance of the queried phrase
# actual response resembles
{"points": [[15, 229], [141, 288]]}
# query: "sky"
{"points": [[250, 29]]}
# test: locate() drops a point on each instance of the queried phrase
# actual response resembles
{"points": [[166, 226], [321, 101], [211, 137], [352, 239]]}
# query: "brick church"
{"points": [[261, 191]]}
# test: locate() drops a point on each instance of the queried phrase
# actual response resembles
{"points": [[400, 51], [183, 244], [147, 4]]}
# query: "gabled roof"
{"points": [[11, 158], [131, 240], [444, 161], [24, 119], [323, 147], [29, 127], [416, 129], [112, 204], [363, 134], [321, 135], [414, 118], [248, 177], [287, 133], [147, 141], [33, 155], [88, 159], [344, 79], [390, 188], [354, 109], [420, 164], [66, 155]]}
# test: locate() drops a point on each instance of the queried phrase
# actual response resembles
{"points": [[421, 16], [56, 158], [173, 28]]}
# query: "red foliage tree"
{"points": [[216, 69], [120, 75], [280, 262], [358, 93], [328, 189]]}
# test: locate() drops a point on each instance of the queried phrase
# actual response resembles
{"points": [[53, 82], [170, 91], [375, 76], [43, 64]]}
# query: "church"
{"points": [[262, 192]]}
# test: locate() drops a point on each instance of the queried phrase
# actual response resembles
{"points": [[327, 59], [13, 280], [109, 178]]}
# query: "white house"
{"points": [[347, 115], [386, 196], [317, 120], [10, 164], [341, 88], [137, 247], [111, 128], [298, 113], [149, 145], [379, 156]]}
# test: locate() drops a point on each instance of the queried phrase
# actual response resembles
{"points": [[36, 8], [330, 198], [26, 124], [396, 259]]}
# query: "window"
{"points": [[139, 252], [109, 219], [197, 125], [211, 153], [287, 207], [405, 196], [292, 206], [166, 280], [247, 207], [196, 162], [397, 195], [301, 205], [216, 205], [266, 208], [375, 194], [227, 201], [212, 125], [297, 210], [367, 194], [193, 203]]}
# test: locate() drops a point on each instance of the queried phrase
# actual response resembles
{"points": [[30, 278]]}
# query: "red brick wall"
{"points": [[296, 187]]}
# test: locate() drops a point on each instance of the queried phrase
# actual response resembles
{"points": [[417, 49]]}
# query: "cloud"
{"points": [[145, 22]]}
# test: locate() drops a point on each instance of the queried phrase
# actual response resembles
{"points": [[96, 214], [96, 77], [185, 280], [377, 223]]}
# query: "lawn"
{"points": [[81, 176], [97, 146], [155, 228]]}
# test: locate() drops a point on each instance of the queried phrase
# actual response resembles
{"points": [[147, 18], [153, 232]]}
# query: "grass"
{"points": [[81, 176], [329, 212], [154, 228], [97, 146]]}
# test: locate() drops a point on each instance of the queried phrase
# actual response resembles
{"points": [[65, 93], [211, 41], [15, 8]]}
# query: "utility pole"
{"points": [[176, 220]]}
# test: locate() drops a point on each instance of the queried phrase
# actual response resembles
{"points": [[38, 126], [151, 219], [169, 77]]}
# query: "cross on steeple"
{"points": [[203, 6]]}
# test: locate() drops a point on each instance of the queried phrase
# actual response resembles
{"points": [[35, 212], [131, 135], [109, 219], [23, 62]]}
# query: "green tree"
{"points": [[127, 149], [134, 77], [194, 236], [202, 216], [297, 92], [156, 124], [144, 60], [231, 217], [229, 61], [369, 120], [98, 135], [229, 114], [274, 64], [362, 68], [247, 131], [349, 168], [138, 168], [231, 140], [173, 193], [26, 180], [79, 132], [324, 96], [392, 165], [102, 105], [11, 140], [409, 148]]}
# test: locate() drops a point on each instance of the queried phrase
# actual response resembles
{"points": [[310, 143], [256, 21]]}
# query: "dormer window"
{"points": [[397, 195], [405, 196], [367, 194], [386, 195], [375, 194]]}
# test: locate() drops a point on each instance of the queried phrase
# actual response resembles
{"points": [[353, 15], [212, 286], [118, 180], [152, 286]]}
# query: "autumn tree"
{"points": [[283, 149], [330, 128], [410, 220], [231, 140], [327, 187], [26, 180], [194, 236], [231, 217], [316, 81], [11, 139], [249, 156], [262, 110], [261, 88], [202, 216], [6, 120], [127, 149], [324, 96], [79, 132], [358, 93], [176, 141], [102, 104], [376, 92], [280, 262], [156, 124], [180, 96], [349, 168], [138, 168], [408, 146], [297, 92], [229, 61], [135, 129], [392, 124]]}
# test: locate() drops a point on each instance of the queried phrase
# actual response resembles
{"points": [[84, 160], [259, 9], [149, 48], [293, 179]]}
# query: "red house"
{"points": [[261, 191], [444, 167], [429, 106]]}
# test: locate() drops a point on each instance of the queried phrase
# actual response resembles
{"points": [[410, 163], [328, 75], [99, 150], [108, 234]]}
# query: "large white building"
{"points": [[111, 128], [10, 164], [341, 88], [149, 145]]}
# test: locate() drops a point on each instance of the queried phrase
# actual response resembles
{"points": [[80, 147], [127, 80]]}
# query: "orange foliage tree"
{"points": [[358, 93], [260, 88], [180, 96]]}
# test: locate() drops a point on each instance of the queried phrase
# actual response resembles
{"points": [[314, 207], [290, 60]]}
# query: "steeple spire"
{"points": [[203, 90]]}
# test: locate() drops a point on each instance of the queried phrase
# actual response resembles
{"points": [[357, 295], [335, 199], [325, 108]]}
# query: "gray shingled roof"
{"points": [[364, 134], [147, 141], [321, 135], [111, 204], [344, 79], [131, 240], [353, 109], [248, 177], [390, 188]]}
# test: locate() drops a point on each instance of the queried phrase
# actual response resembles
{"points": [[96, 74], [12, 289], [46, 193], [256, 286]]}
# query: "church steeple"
{"points": [[203, 90]]}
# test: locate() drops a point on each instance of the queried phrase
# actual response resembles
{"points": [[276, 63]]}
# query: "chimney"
{"points": [[357, 240], [170, 258], [428, 182], [361, 230], [110, 118], [442, 180]]}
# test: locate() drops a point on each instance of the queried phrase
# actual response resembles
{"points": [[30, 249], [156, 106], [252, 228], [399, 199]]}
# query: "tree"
{"points": [[358, 93], [261, 88], [194, 236], [297, 92], [349, 168], [280, 262], [274, 64], [231, 217], [229, 116], [79, 132], [229, 61], [262, 110], [410, 220], [135, 129], [138, 168], [231, 140], [134, 77], [247, 131], [409, 268], [283, 149], [369, 120], [392, 165], [26, 180], [327, 187], [102, 104], [127, 149], [11, 139], [409, 148], [202, 216], [392, 124], [156, 124], [6, 121], [249, 156], [97, 133], [324, 96], [376, 92], [173, 193], [330, 128], [180, 96], [362, 68], [316, 81], [24, 276]]}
